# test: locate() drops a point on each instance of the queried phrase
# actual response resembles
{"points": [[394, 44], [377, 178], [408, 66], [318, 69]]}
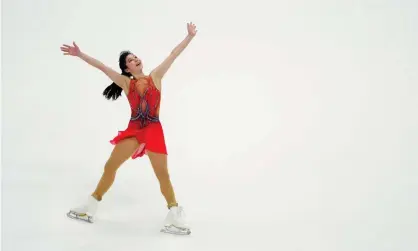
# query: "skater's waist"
{"points": [[138, 125]]}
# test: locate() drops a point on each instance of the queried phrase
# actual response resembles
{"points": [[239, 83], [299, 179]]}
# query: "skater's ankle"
{"points": [[173, 204], [96, 197]]}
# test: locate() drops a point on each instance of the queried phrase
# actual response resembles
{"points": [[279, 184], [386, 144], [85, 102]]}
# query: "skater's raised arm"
{"points": [[159, 72], [117, 78]]}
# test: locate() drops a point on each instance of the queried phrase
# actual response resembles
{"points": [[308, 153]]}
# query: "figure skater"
{"points": [[144, 133]]}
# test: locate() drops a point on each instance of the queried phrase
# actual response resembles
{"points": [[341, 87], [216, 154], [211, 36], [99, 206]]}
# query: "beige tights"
{"points": [[123, 152]]}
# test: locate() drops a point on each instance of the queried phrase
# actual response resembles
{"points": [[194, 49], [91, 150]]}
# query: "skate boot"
{"points": [[86, 212], [175, 222]]}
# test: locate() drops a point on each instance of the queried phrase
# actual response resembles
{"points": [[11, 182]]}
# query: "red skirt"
{"points": [[151, 138]]}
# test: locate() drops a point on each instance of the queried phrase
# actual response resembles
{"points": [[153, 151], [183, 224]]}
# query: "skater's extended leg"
{"points": [[122, 151], [159, 164], [175, 221]]}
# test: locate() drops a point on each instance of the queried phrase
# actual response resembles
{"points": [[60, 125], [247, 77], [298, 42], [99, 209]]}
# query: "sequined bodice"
{"points": [[144, 99]]}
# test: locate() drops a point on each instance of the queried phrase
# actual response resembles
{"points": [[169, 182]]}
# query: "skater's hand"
{"points": [[191, 29], [71, 50]]}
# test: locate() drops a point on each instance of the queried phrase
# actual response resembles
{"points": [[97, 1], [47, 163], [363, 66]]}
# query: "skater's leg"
{"points": [[122, 151], [175, 222], [159, 164]]}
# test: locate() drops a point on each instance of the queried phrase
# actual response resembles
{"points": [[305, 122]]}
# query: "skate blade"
{"points": [[80, 217], [175, 230]]}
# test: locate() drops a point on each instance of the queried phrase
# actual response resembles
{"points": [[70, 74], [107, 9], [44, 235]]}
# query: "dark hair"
{"points": [[114, 91]]}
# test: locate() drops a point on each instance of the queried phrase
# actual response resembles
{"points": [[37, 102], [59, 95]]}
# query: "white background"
{"points": [[290, 125]]}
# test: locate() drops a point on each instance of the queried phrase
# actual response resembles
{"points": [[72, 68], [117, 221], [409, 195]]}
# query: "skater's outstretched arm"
{"points": [[117, 78], [159, 72]]}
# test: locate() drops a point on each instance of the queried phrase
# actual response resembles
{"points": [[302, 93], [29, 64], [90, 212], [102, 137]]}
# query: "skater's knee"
{"points": [[112, 166], [163, 175]]}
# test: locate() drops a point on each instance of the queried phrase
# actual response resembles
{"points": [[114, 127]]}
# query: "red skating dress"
{"points": [[144, 99]]}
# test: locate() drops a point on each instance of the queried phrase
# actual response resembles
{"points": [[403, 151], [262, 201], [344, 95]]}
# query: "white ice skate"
{"points": [[86, 212], [175, 222]]}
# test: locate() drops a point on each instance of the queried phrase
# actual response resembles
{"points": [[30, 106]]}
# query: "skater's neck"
{"points": [[138, 75]]}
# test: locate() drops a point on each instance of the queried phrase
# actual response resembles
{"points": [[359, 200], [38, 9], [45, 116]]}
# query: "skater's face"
{"points": [[133, 64]]}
